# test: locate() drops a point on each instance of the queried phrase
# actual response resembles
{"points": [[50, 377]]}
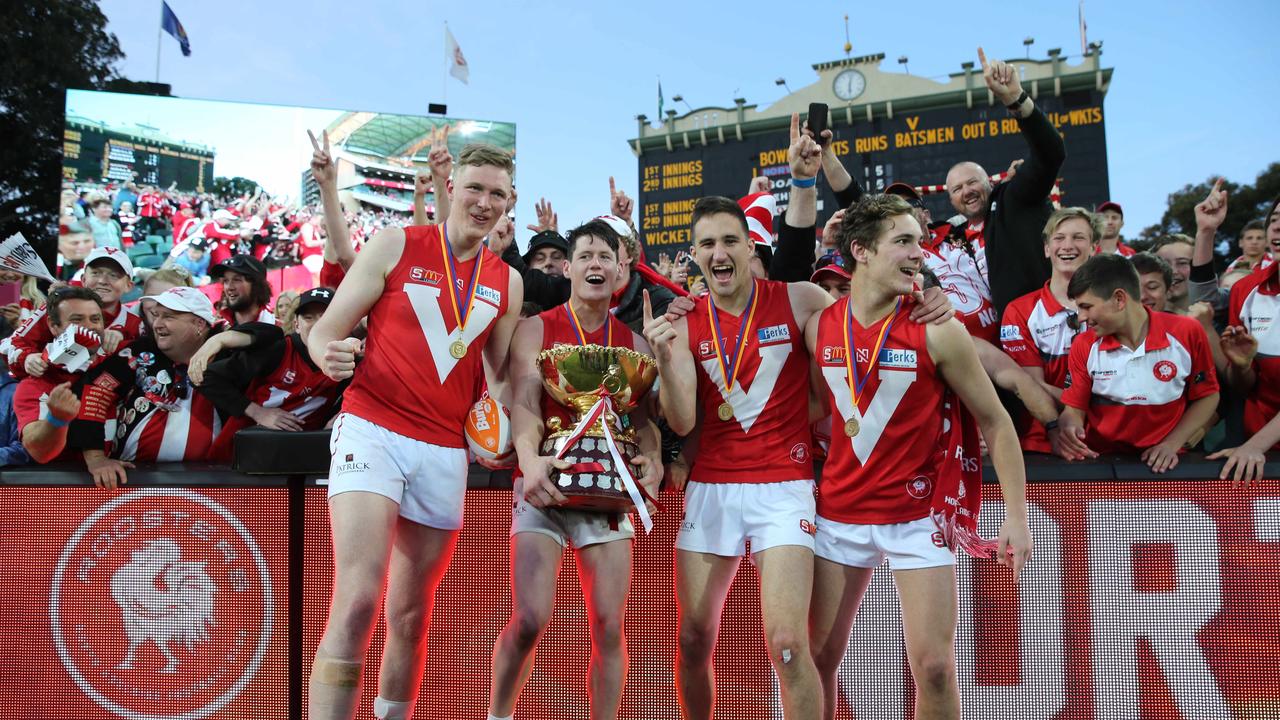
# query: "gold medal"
{"points": [[725, 412], [851, 427], [458, 350]]}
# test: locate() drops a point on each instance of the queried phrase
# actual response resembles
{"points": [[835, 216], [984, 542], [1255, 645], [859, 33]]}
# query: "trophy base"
{"points": [[599, 490]]}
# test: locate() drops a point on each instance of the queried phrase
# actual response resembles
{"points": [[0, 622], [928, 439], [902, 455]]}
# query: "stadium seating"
{"points": [[150, 260]]}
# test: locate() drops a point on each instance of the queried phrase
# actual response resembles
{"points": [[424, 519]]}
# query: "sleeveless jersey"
{"points": [[1255, 304], [556, 330], [409, 382], [887, 472], [767, 439]]}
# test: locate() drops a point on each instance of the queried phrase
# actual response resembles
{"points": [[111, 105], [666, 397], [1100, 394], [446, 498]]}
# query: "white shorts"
{"points": [[567, 527], [719, 518], [429, 482], [908, 546]]}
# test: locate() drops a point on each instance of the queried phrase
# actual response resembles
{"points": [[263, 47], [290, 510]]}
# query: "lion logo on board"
{"points": [[161, 605]]}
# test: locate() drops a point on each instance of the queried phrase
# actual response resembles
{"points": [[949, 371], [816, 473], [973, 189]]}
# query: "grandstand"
{"points": [[378, 155]]}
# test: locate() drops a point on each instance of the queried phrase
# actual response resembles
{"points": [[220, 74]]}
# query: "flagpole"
{"points": [[444, 71], [159, 36]]}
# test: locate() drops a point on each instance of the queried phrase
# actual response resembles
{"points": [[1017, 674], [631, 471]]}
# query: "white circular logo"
{"points": [[161, 606]]}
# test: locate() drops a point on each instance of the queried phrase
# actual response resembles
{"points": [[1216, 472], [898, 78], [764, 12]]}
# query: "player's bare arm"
{"points": [[1164, 455], [526, 416], [329, 345], [953, 354], [497, 349], [679, 385]]}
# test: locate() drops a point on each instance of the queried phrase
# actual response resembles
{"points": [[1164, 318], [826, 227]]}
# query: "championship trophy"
{"points": [[600, 386]]}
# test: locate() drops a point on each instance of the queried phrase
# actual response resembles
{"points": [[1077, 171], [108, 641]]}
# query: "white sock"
{"points": [[495, 717], [392, 710]]}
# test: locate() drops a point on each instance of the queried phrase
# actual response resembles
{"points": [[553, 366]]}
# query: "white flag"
{"points": [[457, 63], [18, 255]]}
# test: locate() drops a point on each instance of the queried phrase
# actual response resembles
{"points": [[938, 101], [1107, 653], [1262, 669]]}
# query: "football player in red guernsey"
{"points": [[441, 309], [539, 530], [886, 381], [737, 362]]}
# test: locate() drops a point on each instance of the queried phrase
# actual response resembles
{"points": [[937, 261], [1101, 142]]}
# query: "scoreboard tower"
{"points": [[888, 127]]}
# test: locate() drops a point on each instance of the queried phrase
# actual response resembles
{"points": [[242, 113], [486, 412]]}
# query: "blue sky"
{"points": [[1192, 95]]}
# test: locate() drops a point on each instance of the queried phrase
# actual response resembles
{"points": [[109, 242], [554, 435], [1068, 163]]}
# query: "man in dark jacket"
{"points": [[1008, 221]]}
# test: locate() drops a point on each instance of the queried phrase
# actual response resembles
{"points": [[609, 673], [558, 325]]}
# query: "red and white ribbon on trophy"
{"points": [[634, 491]]}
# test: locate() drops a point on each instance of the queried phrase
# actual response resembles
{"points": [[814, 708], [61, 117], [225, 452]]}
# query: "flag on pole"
{"points": [[659, 101], [1084, 32], [170, 24], [457, 63]]}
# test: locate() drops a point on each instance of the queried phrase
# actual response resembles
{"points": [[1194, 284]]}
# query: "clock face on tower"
{"points": [[849, 84]]}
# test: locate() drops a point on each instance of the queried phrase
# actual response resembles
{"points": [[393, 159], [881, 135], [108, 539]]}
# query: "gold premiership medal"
{"points": [[458, 350], [725, 412], [851, 427]]}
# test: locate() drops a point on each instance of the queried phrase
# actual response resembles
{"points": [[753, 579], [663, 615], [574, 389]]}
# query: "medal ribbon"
{"points": [[855, 383], [460, 312], [582, 334], [729, 368]]}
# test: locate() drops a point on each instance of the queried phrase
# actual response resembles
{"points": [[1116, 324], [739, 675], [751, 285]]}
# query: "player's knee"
{"points": [[606, 631], [527, 625], [935, 673], [697, 641], [827, 660], [408, 623], [351, 619], [788, 648]]}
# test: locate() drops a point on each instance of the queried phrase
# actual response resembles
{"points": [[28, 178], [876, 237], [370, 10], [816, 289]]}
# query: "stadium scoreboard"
{"points": [[94, 152], [913, 147]]}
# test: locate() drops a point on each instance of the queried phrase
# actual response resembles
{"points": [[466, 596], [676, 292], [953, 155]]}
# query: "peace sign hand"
{"points": [[1001, 78], [322, 167], [439, 159]]}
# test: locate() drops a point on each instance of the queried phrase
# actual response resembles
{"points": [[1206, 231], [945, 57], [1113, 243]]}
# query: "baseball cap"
{"points": [[224, 215], [185, 299], [906, 192], [315, 296], [112, 254], [1108, 205], [832, 264], [243, 264], [546, 238]]}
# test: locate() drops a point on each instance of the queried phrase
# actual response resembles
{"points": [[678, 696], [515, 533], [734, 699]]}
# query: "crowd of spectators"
{"points": [[1026, 278]]}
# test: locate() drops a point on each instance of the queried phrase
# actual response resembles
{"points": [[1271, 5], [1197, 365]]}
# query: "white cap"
{"points": [[112, 254], [224, 215], [185, 299], [618, 224]]}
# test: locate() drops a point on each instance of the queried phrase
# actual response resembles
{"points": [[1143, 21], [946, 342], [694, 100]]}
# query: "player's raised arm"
{"points": [[670, 344]]}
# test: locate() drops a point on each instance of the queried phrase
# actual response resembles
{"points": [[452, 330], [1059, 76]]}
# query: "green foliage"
{"points": [[1244, 203], [47, 46], [236, 187]]}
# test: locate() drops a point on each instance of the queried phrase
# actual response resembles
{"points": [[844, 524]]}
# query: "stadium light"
{"points": [[680, 99], [1028, 41], [783, 83], [903, 62]]}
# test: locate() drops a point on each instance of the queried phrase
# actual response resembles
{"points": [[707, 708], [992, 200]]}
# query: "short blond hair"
{"points": [[480, 154], [1062, 215]]}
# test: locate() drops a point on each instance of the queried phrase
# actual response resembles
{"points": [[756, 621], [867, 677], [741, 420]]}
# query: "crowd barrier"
{"points": [[200, 591]]}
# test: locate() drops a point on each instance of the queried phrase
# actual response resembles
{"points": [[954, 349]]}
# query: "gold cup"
{"points": [[577, 377]]}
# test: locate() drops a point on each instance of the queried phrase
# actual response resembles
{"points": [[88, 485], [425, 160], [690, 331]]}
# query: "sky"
{"points": [[1189, 98]]}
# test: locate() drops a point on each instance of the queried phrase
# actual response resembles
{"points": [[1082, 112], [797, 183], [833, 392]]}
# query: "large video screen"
{"points": [[211, 154]]}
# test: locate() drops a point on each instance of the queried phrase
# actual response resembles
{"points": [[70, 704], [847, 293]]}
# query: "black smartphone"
{"points": [[817, 121]]}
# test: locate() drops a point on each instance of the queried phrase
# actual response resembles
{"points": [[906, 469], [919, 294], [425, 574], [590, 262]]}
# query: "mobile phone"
{"points": [[817, 121]]}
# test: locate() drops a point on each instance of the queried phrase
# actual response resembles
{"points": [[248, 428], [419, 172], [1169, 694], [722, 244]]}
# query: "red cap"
{"points": [[1108, 205]]}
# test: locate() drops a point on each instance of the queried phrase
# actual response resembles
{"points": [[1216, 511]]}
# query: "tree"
{"points": [[236, 187], [47, 47], [1245, 203]]}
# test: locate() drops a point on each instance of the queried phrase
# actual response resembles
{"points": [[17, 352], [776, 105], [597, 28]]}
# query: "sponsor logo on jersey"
{"points": [[833, 353], [807, 527], [773, 333], [1102, 373], [920, 487], [423, 275], [289, 376], [800, 453], [862, 355], [161, 606], [489, 294], [897, 358], [704, 349], [938, 540], [1165, 370], [1010, 332]]}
